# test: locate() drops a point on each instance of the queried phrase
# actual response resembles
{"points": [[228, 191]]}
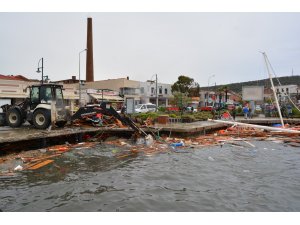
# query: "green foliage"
{"points": [[239, 110], [188, 118], [144, 116], [186, 85], [183, 84], [204, 115], [295, 112], [194, 91], [173, 115], [181, 99], [162, 109]]}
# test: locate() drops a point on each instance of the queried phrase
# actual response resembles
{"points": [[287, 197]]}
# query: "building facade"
{"points": [[148, 93], [13, 89], [284, 92], [212, 98]]}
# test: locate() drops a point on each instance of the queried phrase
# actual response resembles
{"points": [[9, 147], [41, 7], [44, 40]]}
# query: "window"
{"points": [[142, 90], [45, 95], [152, 90], [151, 106], [34, 95], [160, 90], [166, 91], [59, 96]]}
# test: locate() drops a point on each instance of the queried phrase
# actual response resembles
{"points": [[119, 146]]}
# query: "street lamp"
{"points": [[42, 67], [208, 87], [156, 92], [79, 78], [46, 78]]}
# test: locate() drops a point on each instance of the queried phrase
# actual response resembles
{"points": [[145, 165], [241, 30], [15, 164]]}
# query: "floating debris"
{"points": [[18, 168], [39, 165], [211, 158], [122, 149]]}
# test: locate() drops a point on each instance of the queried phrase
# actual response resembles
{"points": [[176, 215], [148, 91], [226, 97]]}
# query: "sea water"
{"points": [[261, 177]]}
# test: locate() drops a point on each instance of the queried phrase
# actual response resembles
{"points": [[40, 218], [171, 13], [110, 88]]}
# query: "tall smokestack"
{"points": [[89, 55]]}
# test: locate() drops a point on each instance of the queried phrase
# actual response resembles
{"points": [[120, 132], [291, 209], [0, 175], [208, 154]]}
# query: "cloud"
{"points": [[139, 45]]}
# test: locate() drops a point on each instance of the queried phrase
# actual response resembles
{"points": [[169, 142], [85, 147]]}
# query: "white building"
{"points": [[148, 93], [287, 90], [284, 92], [13, 89]]}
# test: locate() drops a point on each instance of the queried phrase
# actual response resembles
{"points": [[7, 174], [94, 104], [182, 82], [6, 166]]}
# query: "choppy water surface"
{"points": [[261, 178]]}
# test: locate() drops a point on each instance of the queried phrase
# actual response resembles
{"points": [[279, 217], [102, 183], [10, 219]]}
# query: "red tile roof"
{"points": [[12, 77]]}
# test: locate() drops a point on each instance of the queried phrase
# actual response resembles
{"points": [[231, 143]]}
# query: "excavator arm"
{"points": [[106, 109]]}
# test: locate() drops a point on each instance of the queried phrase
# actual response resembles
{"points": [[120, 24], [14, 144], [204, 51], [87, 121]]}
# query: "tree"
{"points": [[180, 99], [186, 85], [194, 91]]}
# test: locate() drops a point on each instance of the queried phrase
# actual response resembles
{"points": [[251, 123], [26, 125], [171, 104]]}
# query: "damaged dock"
{"points": [[28, 137]]}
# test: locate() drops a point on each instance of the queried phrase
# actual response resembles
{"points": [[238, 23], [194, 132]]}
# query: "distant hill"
{"points": [[237, 87]]}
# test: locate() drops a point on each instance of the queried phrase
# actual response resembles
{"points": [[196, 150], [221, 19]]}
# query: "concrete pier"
{"points": [[29, 136]]}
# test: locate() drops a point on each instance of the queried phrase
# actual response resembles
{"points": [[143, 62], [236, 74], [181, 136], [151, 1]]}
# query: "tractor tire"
{"points": [[14, 118], [41, 118]]}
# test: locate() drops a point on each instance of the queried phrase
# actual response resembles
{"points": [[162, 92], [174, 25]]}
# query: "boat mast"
{"points": [[273, 88]]}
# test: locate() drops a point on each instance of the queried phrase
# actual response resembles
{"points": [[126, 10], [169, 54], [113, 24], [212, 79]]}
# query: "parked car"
{"points": [[230, 106], [258, 108], [189, 109], [172, 108], [144, 108], [206, 108]]}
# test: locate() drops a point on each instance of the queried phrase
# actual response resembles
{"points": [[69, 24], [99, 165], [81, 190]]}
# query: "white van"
{"points": [[143, 108]]}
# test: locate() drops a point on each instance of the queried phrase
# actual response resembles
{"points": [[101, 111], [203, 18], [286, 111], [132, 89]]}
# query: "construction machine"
{"points": [[45, 105]]}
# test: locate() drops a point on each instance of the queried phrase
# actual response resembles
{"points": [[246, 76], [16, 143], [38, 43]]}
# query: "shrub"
{"points": [[295, 112], [188, 118], [144, 116], [162, 109], [173, 115]]}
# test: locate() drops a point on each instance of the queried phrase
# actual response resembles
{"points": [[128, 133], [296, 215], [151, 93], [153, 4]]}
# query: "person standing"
{"points": [[250, 113], [289, 110], [233, 113], [246, 111]]}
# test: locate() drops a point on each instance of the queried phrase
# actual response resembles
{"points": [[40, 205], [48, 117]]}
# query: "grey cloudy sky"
{"points": [[139, 45]]}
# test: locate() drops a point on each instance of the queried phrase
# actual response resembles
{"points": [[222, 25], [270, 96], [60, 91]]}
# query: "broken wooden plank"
{"points": [[257, 126], [39, 165], [34, 161]]}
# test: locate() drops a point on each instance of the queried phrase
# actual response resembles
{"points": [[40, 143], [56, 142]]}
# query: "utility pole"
{"points": [[156, 92]]}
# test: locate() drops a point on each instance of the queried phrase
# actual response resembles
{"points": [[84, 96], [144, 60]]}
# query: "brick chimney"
{"points": [[89, 55]]}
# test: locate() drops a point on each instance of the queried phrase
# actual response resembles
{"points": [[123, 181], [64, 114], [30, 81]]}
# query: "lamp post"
{"points": [[42, 67], [156, 91], [208, 87], [79, 78]]}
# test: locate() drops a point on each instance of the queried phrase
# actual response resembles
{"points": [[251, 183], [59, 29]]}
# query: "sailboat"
{"points": [[277, 104]]}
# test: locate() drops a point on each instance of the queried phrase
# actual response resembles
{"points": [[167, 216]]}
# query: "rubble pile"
{"points": [[99, 120]]}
